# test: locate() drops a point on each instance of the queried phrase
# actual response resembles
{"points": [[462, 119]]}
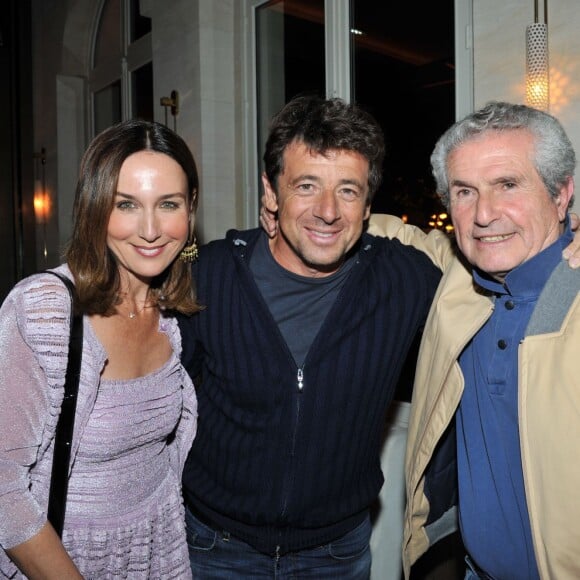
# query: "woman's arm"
{"points": [[43, 557], [33, 320]]}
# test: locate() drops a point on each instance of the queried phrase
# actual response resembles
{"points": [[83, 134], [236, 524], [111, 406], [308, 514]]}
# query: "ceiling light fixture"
{"points": [[537, 61]]}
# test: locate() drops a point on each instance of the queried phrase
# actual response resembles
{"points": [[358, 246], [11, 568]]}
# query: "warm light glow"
{"points": [[440, 221], [562, 89], [404, 218], [538, 93], [537, 67], [41, 206]]}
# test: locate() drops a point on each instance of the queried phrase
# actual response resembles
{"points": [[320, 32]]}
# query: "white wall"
{"points": [[194, 54], [499, 56]]}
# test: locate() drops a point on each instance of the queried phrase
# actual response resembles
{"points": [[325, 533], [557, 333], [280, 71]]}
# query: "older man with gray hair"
{"points": [[495, 419]]}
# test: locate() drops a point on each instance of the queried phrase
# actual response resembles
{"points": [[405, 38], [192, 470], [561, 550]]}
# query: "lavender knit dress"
{"points": [[125, 513], [124, 508]]}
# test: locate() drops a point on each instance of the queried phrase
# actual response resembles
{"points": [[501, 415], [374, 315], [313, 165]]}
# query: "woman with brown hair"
{"points": [[136, 411]]}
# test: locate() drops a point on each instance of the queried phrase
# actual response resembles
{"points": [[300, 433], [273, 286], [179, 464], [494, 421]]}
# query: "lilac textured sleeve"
{"points": [[32, 321]]}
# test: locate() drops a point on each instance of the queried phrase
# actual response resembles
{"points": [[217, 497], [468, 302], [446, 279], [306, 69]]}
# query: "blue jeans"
{"points": [[217, 556], [471, 572]]}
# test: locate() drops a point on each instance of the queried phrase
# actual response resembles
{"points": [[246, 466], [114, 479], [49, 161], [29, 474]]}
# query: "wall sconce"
{"points": [[41, 206], [42, 203], [537, 62], [171, 103], [41, 197]]}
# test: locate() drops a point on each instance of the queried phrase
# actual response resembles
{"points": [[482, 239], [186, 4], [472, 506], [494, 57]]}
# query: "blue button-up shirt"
{"points": [[493, 512]]}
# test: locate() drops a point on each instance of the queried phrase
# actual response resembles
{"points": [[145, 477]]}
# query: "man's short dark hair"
{"points": [[325, 125]]}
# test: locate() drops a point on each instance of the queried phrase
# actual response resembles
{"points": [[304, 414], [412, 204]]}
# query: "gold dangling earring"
{"points": [[189, 253]]}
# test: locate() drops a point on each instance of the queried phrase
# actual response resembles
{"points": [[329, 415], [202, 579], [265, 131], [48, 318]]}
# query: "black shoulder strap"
{"points": [[66, 420]]}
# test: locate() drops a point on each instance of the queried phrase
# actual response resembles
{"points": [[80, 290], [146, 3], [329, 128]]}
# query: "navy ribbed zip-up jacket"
{"points": [[288, 458]]}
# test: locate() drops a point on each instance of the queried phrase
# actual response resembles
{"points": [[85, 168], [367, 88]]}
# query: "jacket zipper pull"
{"points": [[300, 379]]}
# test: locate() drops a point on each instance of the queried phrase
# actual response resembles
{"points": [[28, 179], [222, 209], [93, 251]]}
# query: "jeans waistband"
{"points": [[202, 518], [270, 539]]}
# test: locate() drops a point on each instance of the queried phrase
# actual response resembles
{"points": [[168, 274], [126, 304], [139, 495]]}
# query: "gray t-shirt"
{"points": [[299, 304]]}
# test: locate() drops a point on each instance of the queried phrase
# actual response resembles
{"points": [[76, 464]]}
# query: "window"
{"points": [[121, 79], [396, 60], [107, 106], [289, 55], [404, 74]]}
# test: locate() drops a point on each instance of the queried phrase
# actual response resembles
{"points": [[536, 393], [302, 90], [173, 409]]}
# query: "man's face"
{"points": [[501, 210], [322, 201]]}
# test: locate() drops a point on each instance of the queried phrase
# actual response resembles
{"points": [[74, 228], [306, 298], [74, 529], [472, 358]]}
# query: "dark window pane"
{"points": [[140, 25], [108, 45], [142, 89], [290, 55], [107, 106], [404, 74]]}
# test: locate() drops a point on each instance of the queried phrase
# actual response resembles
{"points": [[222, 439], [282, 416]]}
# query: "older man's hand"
{"points": [[268, 219], [572, 252]]}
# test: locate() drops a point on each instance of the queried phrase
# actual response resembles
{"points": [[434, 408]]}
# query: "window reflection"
{"points": [[107, 104], [142, 92], [109, 45], [140, 25], [402, 71], [122, 60], [290, 55], [404, 74]]}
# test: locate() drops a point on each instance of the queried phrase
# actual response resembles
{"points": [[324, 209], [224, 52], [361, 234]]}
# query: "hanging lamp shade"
{"points": [[537, 63]]}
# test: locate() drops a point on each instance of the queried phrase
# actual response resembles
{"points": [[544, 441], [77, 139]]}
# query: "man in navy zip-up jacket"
{"points": [[296, 357]]}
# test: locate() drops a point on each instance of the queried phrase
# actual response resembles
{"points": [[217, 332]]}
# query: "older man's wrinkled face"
{"points": [[501, 210]]}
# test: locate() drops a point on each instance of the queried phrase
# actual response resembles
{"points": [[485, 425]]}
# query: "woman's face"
{"points": [[149, 224]]}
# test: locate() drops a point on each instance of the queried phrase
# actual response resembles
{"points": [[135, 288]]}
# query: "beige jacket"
{"points": [[549, 405]]}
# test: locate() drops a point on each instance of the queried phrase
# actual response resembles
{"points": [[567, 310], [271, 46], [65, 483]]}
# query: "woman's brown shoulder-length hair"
{"points": [[92, 264]]}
